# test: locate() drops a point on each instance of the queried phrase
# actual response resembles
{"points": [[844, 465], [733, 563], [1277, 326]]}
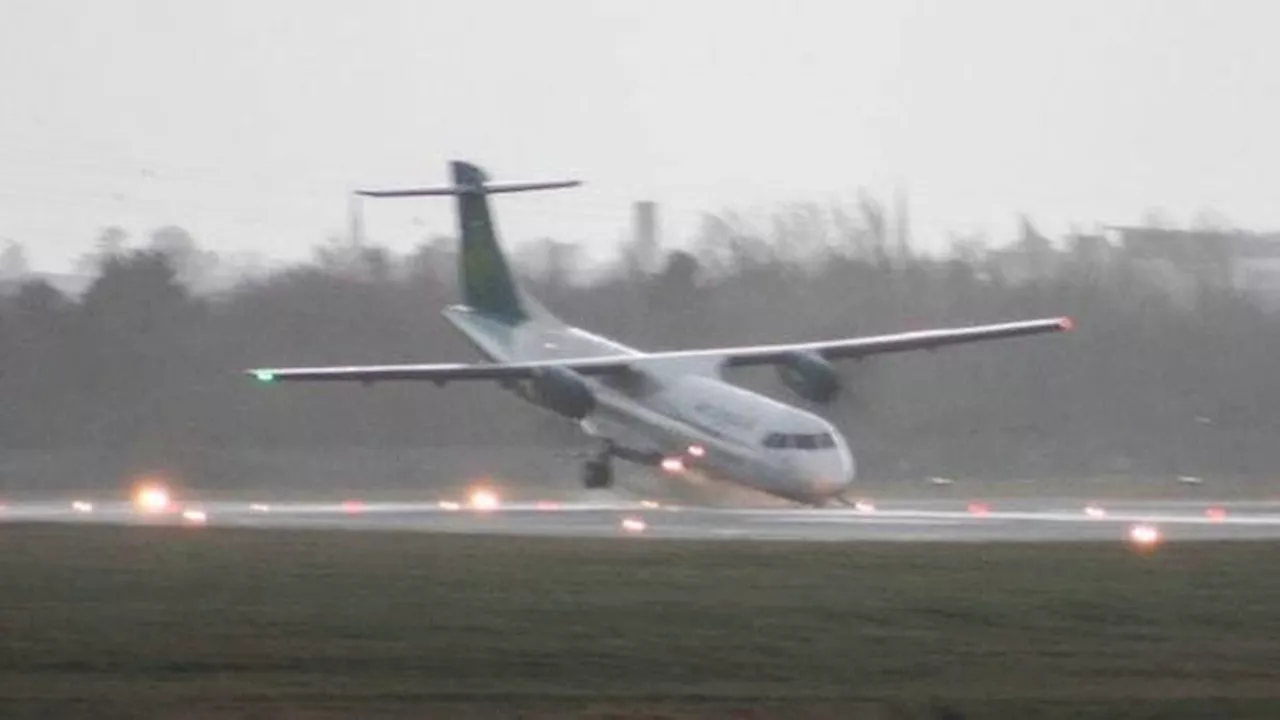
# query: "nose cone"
{"points": [[848, 467], [829, 473]]}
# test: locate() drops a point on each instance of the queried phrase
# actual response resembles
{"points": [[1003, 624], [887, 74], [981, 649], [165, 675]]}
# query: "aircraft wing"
{"points": [[843, 349], [852, 348], [441, 373]]}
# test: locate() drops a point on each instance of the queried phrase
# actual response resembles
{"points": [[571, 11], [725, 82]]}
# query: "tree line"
{"points": [[144, 368]]}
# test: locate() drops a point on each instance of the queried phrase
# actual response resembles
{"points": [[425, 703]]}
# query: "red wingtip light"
{"points": [[1066, 324]]}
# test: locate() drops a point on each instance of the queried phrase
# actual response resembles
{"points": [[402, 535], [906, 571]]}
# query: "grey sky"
{"points": [[247, 122]]}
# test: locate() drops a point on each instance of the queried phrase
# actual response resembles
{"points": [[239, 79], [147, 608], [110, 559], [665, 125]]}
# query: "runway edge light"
{"points": [[1145, 537]]}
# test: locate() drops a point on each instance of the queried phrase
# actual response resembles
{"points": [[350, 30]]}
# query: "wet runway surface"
{"points": [[900, 521]]}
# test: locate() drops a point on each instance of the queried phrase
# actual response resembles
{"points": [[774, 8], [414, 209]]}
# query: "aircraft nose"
{"points": [[831, 472], [848, 468], [845, 468]]}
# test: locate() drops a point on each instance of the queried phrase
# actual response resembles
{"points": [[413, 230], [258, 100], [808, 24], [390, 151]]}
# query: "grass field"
{"points": [[173, 622]]}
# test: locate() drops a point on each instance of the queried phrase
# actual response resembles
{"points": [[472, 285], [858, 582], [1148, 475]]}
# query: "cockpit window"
{"points": [[799, 441]]}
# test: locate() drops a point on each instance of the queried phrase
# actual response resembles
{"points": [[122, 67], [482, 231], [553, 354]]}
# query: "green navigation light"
{"points": [[265, 376]]}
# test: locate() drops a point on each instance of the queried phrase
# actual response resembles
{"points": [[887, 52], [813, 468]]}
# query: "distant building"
{"points": [[1256, 271], [645, 241], [1185, 261]]}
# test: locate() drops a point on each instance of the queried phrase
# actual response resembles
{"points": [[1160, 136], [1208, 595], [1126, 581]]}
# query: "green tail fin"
{"points": [[487, 282]]}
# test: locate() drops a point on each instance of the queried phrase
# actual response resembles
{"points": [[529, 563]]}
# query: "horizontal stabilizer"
{"points": [[479, 189]]}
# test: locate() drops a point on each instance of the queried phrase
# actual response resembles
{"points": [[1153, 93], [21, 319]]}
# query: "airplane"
{"points": [[669, 409]]}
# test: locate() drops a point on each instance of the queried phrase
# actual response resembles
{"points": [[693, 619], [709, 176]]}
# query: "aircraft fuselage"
{"points": [[682, 412]]}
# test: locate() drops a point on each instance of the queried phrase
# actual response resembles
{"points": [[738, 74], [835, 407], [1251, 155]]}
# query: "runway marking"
{"points": [[856, 520]]}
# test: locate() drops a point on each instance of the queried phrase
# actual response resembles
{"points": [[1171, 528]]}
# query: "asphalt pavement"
{"points": [[1021, 520]]}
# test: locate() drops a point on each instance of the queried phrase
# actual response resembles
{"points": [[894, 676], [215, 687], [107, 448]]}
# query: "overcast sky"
{"points": [[248, 122]]}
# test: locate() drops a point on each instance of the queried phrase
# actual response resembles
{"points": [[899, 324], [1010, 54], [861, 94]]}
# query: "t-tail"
{"points": [[488, 285]]}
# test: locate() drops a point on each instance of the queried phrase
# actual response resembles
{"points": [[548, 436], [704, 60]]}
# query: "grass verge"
{"points": [[180, 622]]}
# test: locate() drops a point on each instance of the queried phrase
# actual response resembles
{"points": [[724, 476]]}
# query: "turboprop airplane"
{"points": [[666, 409]]}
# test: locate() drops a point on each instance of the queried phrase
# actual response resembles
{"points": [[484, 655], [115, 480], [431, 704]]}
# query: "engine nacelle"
{"points": [[560, 390], [810, 376]]}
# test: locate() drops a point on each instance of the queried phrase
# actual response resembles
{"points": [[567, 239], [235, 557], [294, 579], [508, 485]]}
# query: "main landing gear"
{"points": [[597, 473]]}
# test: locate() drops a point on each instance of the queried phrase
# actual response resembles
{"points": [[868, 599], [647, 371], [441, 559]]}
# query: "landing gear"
{"points": [[597, 473], [862, 506], [837, 501]]}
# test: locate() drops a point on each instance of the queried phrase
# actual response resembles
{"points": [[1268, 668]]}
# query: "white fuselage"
{"points": [[684, 410]]}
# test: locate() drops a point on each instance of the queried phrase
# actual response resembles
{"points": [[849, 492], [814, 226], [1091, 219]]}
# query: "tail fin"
{"points": [[483, 273]]}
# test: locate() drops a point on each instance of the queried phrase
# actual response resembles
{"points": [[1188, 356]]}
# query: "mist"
{"points": [[142, 371]]}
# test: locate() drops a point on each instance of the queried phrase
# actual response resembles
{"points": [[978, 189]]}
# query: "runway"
{"points": [[1019, 520]]}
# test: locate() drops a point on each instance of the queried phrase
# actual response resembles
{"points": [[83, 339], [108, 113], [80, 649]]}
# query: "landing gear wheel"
{"points": [[597, 474]]}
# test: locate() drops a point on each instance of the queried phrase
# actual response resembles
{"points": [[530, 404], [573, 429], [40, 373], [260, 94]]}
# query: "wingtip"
{"points": [[1066, 324]]}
